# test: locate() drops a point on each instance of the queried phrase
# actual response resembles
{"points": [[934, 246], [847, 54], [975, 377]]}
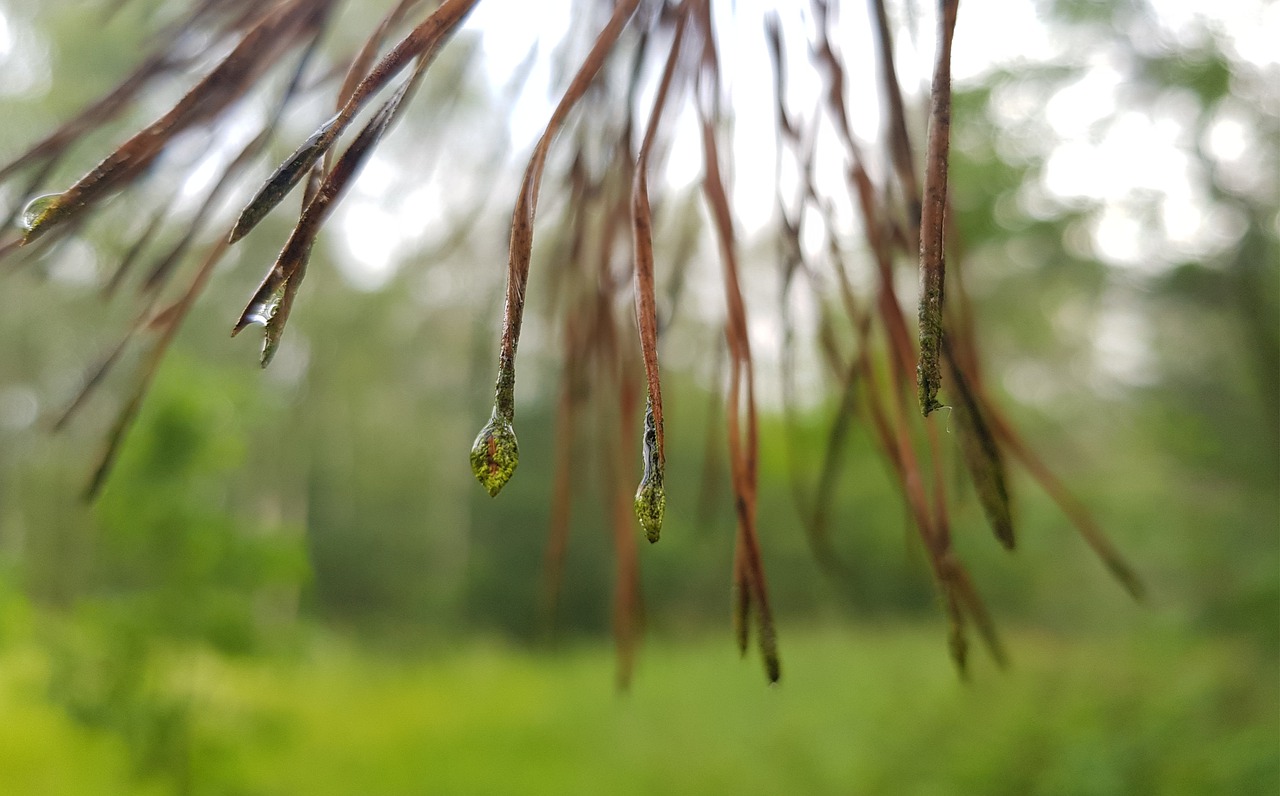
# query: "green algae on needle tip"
{"points": [[651, 504], [651, 497], [495, 454]]}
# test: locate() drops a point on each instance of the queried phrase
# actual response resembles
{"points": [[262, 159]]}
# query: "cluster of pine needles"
{"points": [[891, 376]]}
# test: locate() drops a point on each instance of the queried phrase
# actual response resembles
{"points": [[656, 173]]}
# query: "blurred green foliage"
{"points": [[864, 710]]}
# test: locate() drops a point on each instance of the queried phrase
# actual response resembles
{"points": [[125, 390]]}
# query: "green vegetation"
{"points": [[864, 710]]}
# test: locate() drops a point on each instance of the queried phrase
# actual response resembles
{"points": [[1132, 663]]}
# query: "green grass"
{"points": [[860, 711]]}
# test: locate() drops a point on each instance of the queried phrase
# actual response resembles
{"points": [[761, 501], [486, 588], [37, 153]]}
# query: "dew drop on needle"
{"points": [[36, 209]]}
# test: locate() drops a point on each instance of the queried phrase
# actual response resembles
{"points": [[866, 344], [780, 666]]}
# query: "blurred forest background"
{"points": [[293, 584]]}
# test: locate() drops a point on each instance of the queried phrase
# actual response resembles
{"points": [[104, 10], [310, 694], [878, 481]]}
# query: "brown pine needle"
{"points": [[933, 215], [495, 453]]}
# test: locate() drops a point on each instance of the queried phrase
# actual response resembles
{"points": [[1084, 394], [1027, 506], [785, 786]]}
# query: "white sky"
{"points": [[1138, 154]]}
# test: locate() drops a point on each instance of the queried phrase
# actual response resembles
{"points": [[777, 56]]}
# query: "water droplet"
{"points": [[495, 454], [37, 209], [651, 505], [261, 312]]}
